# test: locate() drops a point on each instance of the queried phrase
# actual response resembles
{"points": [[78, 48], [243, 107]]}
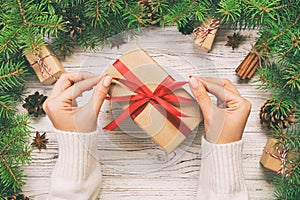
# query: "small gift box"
{"points": [[205, 35], [46, 65], [275, 158], [153, 99]]}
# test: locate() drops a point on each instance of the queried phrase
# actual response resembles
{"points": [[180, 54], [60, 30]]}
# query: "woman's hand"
{"points": [[224, 123], [61, 106]]}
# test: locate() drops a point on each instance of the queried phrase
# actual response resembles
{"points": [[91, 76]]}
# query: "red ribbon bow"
{"points": [[162, 99]]}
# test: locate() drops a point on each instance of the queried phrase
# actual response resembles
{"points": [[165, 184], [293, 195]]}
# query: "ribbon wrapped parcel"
{"points": [[153, 99], [275, 158], [46, 65], [206, 34]]}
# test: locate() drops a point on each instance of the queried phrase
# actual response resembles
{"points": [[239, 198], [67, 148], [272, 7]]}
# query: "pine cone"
{"points": [[33, 104], [149, 13], [18, 197], [272, 117], [74, 26]]}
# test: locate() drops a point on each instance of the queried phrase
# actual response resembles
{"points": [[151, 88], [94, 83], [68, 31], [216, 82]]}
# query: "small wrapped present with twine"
{"points": [[46, 65], [205, 35]]}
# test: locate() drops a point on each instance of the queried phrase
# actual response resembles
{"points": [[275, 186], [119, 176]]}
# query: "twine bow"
{"points": [[204, 31], [44, 68], [282, 155], [161, 99]]}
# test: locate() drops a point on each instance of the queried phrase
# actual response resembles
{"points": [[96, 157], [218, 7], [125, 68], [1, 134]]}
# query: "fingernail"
{"points": [[194, 83], [106, 81]]}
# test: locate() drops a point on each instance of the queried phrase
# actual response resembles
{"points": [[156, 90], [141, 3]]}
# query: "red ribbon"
{"points": [[44, 69], [162, 99]]}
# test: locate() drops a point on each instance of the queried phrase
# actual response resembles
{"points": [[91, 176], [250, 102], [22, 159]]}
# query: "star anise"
{"points": [[40, 141], [234, 40]]}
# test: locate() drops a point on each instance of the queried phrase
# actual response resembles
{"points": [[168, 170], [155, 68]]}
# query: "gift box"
{"points": [[153, 99], [275, 158], [205, 35], [46, 65]]}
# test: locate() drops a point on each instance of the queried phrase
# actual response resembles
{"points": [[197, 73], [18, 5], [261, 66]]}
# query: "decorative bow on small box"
{"points": [[153, 99], [46, 65]]}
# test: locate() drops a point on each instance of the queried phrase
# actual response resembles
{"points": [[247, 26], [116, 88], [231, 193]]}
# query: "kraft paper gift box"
{"points": [[46, 65], [205, 35], [139, 69], [274, 157]]}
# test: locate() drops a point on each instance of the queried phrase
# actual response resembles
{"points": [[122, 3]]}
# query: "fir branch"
{"points": [[288, 28], [6, 107], [10, 171], [4, 45], [132, 12], [22, 12], [184, 11], [13, 73], [9, 142], [23, 154]]}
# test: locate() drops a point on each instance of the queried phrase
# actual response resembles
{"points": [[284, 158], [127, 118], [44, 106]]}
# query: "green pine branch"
{"points": [[24, 24], [14, 134]]}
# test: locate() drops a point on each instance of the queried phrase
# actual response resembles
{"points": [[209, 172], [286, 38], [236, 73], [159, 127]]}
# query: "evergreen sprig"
{"points": [[25, 24], [13, 153], [23, 27]]}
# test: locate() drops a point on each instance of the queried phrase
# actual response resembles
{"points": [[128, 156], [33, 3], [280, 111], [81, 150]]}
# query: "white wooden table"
{"points": [[133, 167]]}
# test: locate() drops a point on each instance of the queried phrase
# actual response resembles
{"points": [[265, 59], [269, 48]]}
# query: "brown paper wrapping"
{"points": [[270, 162], [161, 131], [209, 40], [54, 65]]}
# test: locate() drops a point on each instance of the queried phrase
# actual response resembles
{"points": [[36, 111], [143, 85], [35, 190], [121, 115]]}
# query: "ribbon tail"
{"points": [[169, 108], [126, 98], [129, 111], [175, 121], [176, 99]]}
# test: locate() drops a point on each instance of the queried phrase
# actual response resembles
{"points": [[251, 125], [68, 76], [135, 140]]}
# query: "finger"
{"points": [[222, 93], [221, 104], [68, 79], [78, 88], [99, 94], [222, 82], [201, 97]]}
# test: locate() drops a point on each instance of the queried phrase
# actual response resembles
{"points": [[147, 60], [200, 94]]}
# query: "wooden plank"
{"points": [[133, 167]]}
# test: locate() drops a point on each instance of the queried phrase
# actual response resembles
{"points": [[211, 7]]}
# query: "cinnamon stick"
{"points": [[247, 62], [252, 71], [242, 64], [251, 65]]}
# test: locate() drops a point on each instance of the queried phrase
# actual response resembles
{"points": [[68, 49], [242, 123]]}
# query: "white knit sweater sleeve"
{"points": [[77, 173], [221, 173]]}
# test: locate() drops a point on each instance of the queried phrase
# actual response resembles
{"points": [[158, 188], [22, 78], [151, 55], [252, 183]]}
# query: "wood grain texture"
{"points": [[133, 167]]}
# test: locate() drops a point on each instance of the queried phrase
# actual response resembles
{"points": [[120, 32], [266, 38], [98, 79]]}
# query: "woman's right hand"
{"points": [[224, 123]]}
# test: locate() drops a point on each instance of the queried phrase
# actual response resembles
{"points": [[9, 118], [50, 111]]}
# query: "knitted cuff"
{"points": [[77, 153], [221, 170]]}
